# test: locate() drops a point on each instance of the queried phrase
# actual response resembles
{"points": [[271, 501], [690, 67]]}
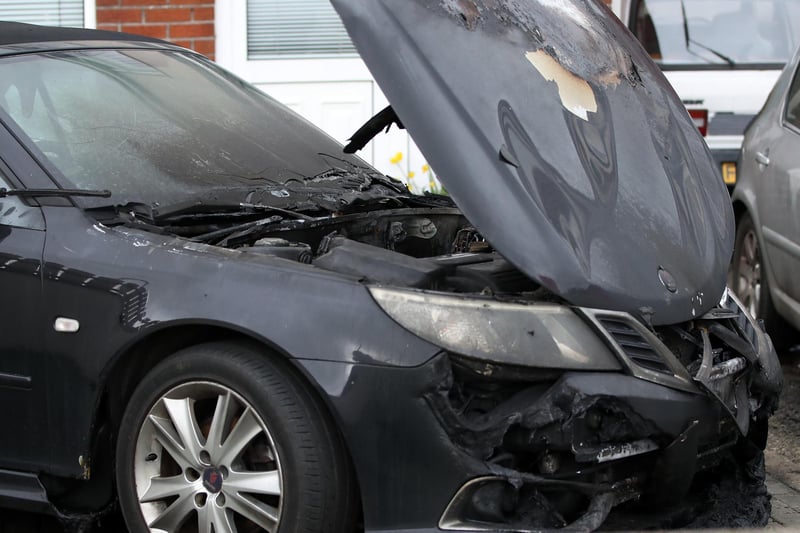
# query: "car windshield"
{"points": [[156, 126], [720, 31]]}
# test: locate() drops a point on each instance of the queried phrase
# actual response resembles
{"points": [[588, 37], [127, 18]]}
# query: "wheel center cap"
{"points": [[212, 480]]}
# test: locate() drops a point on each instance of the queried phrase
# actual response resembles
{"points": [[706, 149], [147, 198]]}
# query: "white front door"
{"points": [[338, 94], [338, 107]]}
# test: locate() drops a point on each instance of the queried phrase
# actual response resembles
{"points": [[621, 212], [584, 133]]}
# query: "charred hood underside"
{"points": [[562, 141]]}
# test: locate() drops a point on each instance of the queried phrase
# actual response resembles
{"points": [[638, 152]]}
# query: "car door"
{"points": [[23, 415], [778, 193]]}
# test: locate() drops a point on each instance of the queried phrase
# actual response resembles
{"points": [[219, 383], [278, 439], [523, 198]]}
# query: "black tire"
{"points": [[745, 261], [296, 443]]}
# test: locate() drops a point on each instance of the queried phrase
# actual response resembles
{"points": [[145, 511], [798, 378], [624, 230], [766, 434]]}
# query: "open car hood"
{"points": [[562, 142]]}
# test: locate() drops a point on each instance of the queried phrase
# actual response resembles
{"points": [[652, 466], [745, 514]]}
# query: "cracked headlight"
{"points": [[537, 334]]}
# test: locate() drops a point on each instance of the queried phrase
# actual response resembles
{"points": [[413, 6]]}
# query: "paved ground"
{"points": [[783, 450], [785, 505]]}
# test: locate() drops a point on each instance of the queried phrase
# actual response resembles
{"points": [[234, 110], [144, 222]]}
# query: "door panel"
{"points": [[23, 418], [779, 210], [778, 194]]}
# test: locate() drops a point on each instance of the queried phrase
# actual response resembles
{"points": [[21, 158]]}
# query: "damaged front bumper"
{"points": [[560, 450], [479, 443]]}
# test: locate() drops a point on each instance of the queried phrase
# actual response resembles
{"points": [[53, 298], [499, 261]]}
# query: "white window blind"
{"points": [[47, 12], [278, 29]]}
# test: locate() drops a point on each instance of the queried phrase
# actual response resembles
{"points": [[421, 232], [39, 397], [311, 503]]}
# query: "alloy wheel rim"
{"points": [[748, 283], [205, 461]]}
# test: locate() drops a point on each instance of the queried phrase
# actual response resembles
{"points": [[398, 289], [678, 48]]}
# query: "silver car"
{"points": [[766, 202]]}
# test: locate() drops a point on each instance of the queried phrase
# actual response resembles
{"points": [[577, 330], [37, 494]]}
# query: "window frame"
{"points": [[89, 13], [231, 53], [795, 82], [326, 19]]}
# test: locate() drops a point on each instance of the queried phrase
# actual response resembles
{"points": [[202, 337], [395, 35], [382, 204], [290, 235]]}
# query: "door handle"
{"points": [[762, 159]]}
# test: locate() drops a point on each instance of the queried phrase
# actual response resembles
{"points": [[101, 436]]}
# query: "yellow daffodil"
{"points": [[397, 158]]}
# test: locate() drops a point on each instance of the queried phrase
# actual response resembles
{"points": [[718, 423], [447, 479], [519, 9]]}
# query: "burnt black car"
{"points": [[220, 319]]}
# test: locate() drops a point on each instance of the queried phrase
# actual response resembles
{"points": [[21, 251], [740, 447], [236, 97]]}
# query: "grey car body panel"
{"points": [[591, 204], [768, 195]]}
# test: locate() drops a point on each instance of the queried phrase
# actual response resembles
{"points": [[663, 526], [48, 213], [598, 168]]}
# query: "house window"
{"points": [[46, 12], [286, 29]]}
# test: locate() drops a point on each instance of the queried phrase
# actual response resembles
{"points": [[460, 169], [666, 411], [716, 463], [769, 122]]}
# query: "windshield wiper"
{"points": [[53, 193], [227, 232], [281, 210], [688, 40]]}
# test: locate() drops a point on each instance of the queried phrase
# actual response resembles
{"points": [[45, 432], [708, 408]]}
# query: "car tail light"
{"points": [[700, 119]]}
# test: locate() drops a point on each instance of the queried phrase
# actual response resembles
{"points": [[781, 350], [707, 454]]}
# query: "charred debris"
{"points": [[354, 223]]}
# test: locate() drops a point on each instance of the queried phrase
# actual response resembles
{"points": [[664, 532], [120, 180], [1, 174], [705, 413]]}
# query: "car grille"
{"points": [[636, 347]]}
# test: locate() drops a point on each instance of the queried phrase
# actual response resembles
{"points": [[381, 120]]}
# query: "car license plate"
{"points": [[729, 173]]}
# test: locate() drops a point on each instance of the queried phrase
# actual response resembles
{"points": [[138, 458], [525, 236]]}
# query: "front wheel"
{"points": [[749, 281], [220, 438]]}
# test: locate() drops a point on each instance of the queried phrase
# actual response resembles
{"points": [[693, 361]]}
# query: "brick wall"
{"points": [[188, 23]]}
